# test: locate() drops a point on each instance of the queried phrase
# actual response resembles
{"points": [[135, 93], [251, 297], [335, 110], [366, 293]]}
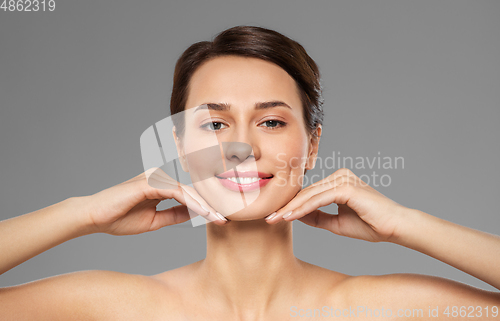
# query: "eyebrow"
{"points": [[226, 106]]}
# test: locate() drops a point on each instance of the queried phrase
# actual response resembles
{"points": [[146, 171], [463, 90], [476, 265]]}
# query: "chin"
{"points": [[248, 206], [248, 214], [265, 204]]}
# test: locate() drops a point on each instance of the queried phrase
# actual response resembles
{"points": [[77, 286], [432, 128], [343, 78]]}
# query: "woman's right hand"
{"points": [[130, 207]]}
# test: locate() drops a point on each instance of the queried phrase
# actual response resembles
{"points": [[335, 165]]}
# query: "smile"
{"points": [[243, 181]]}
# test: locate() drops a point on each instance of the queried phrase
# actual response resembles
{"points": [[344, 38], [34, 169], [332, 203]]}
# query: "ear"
{"points": [[313, 148], [180, 151]]}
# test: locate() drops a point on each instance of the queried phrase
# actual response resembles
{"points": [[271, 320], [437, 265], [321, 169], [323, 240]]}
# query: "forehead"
{"points": [[241, 81]]}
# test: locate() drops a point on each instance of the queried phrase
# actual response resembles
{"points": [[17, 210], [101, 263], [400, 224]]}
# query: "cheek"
{"points": [[203, 158], [292, 150], [204, 163], [289, 157]]}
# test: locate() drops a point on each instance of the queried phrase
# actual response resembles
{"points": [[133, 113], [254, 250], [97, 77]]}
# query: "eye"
{"points": [[213, 126], [274, 124]]}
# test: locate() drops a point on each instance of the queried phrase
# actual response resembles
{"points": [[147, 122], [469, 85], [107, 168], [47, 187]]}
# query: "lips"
{"points": [[233, 173], [243, 181]]}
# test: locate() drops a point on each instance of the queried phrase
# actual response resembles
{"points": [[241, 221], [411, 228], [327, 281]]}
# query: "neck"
{"points": [[249, 264]]}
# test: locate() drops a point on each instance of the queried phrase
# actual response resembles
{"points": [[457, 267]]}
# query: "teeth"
{"points": [[243, 180]]}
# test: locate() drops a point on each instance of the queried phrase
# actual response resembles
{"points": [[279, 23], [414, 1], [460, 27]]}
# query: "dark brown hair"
{"points": [[255, 42]]}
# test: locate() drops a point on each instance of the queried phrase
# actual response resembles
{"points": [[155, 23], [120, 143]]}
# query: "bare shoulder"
{"points": [[324, 286], [415, 293], [91, 295], [323, 278]]}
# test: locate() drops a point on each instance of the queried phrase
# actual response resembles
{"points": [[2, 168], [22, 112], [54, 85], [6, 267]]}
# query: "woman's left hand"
{"points": [[363, 212]]}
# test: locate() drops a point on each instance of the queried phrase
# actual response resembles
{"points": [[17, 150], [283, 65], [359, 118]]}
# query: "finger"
{"points": [[185, 199], [171, 216], [169, 188], [209, 213], [348, 224], [305, 195], [345, 172], [157, 178], [339, 195], [333, 222], [322, 220]]}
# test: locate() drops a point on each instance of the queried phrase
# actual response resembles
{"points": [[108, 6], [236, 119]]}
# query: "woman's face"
{"points": [[270, 140]]}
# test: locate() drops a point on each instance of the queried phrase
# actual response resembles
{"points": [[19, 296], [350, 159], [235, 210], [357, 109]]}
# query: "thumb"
{"points": [[320, 219], [170, 216]]}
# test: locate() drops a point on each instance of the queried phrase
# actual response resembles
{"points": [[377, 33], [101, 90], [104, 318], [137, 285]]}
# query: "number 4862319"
{"points": [[471, 311], [28, 5]]}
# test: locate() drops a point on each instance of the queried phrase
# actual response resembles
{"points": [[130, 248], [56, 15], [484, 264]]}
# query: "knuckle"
{"points": [[344, 171], [348, 188], [339, 182], [316, 200], [343, 179]]}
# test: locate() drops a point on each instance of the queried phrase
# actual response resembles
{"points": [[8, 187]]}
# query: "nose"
{"points": [[240, 144], [236, 151]]}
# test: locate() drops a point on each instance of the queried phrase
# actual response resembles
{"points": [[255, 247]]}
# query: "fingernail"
{"points": [[220, 216], [287, 214], [271, 216], [203, 207]]}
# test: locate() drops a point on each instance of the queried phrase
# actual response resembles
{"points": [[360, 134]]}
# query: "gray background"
{"points": [[416, 79]]}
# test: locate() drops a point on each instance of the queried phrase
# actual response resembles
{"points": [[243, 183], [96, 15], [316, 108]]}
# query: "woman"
{"points": [[261, 90]]}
